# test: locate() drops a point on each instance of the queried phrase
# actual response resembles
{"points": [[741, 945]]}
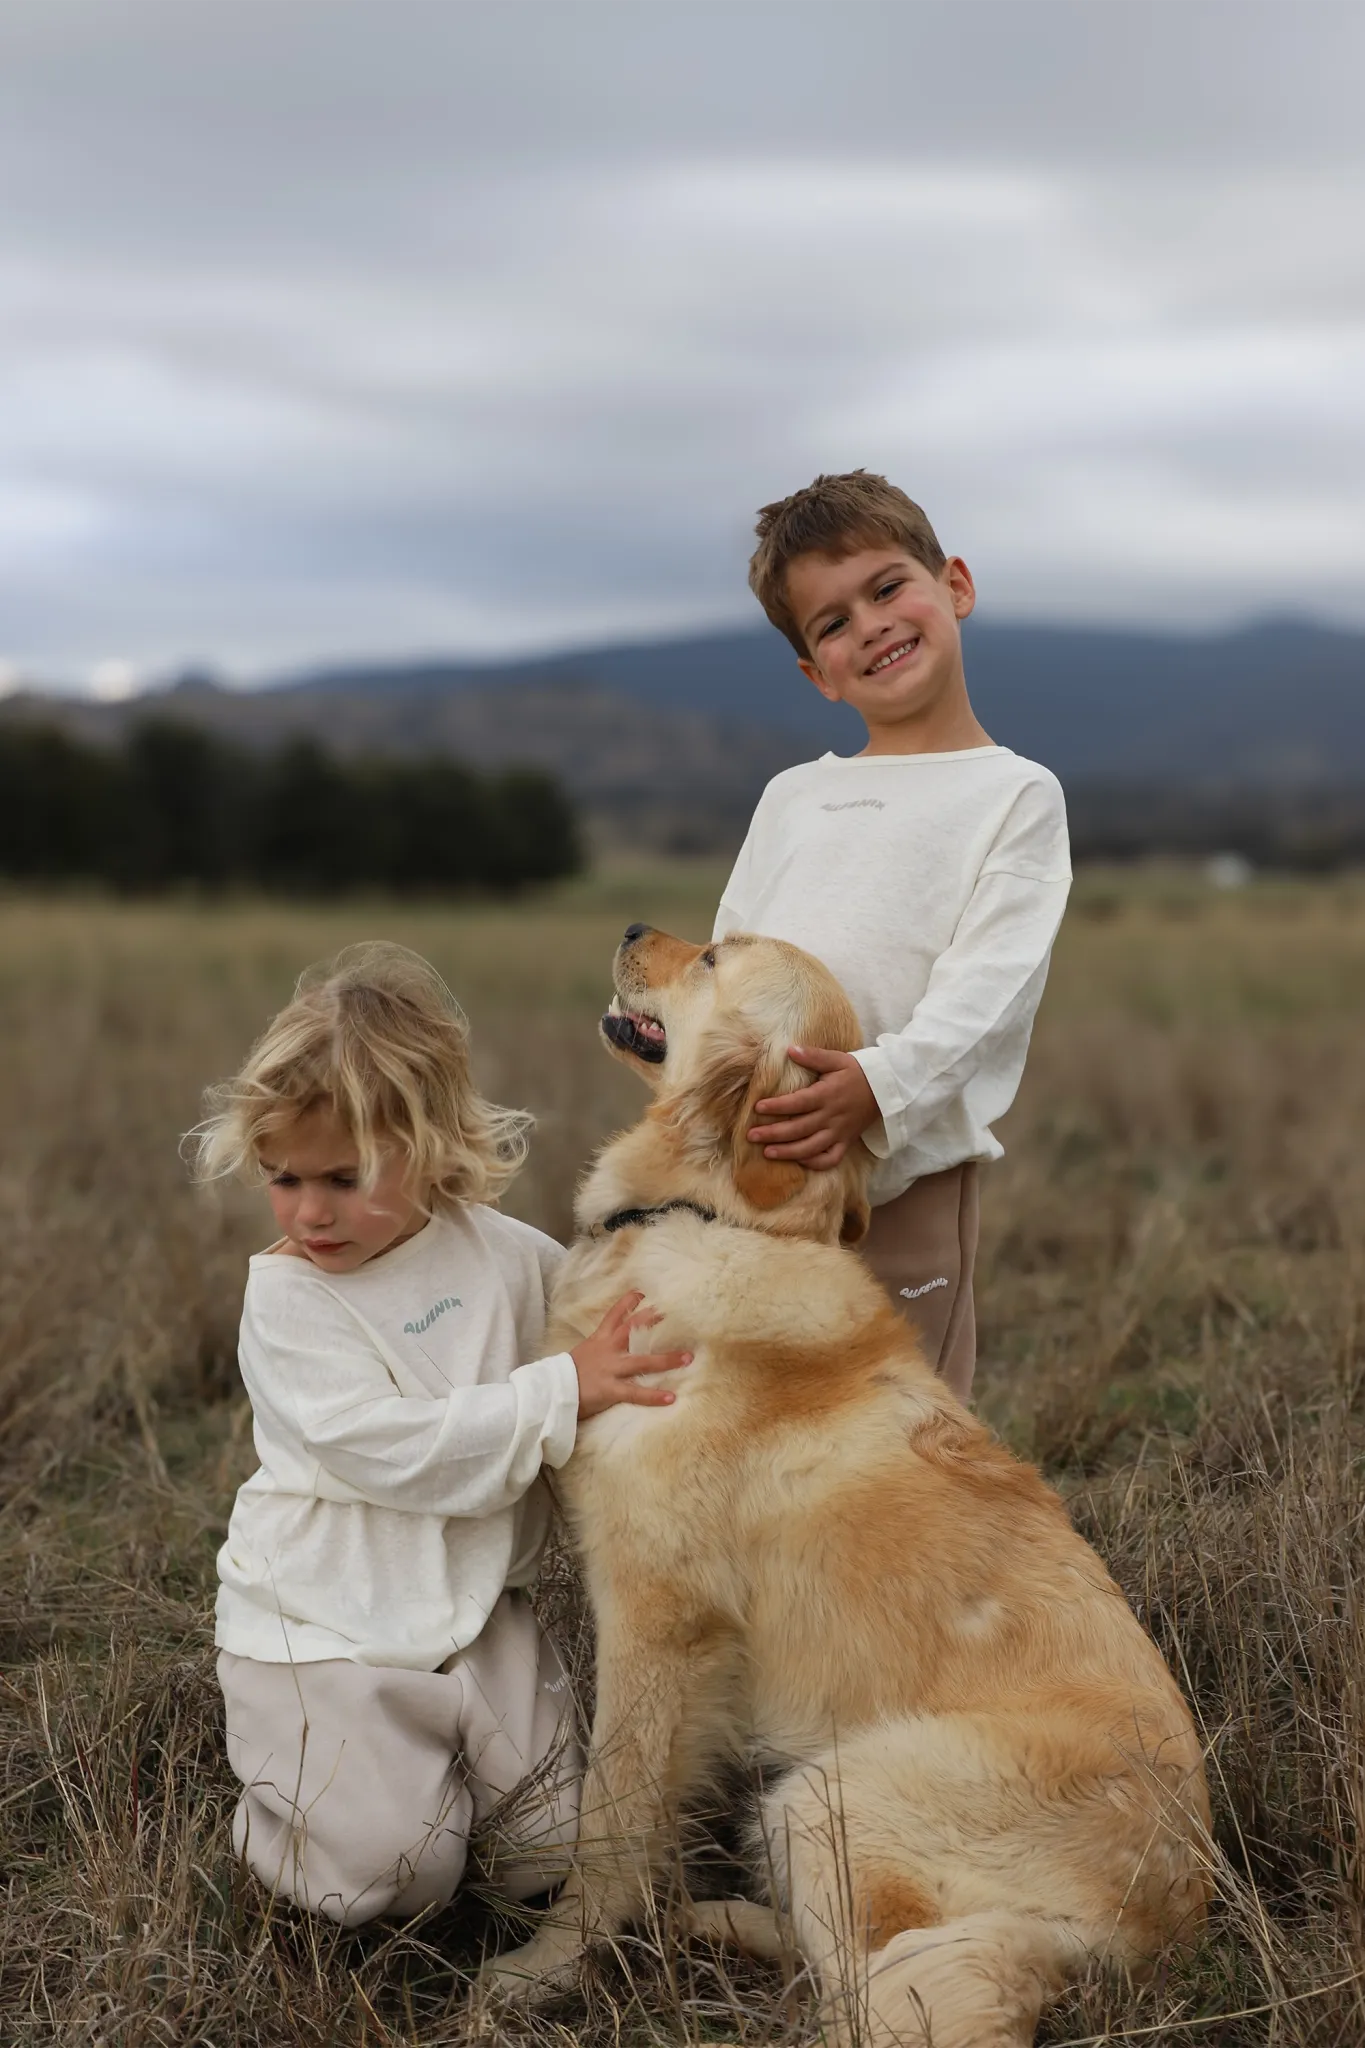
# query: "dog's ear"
{"points": [[739, 1069], [766, 1183]]}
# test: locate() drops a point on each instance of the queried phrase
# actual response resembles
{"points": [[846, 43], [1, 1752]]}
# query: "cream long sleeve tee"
{"points": [[401, 1436], [932, 885]]}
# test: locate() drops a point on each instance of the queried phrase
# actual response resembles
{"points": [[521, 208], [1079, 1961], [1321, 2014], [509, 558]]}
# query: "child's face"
{"points": [[882, 630], [319, 1205]]}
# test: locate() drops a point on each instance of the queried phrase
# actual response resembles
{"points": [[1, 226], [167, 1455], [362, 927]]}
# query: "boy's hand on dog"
{"points": [[609, 1371], [818, 1123]]}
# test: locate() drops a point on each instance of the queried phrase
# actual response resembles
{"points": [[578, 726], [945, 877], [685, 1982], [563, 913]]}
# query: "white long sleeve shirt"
{"points": [[932, 885], [401, 1437]]}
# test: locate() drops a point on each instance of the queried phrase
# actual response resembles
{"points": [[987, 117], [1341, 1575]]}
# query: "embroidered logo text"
{"points": [[437, 1308], [857, 803]]}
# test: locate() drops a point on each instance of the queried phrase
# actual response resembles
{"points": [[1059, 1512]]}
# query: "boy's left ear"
{"points": [[961, 588]]}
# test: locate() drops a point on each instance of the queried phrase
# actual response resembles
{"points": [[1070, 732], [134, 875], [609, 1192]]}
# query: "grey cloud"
{"points": [[332, 82], [322, 322]]}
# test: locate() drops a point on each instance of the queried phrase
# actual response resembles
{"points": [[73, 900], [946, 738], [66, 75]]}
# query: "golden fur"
{"points": [[817, 1555]]}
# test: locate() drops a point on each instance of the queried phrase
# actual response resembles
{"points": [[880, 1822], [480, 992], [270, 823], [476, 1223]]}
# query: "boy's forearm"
{"points": [[915, 1075], [983, 993]]}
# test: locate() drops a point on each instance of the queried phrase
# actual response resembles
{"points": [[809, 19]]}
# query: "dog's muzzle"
{"points": [[633, 1032]]}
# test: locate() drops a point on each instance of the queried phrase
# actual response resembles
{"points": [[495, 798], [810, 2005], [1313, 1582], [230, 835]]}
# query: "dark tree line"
{"points": [[174, 805]]}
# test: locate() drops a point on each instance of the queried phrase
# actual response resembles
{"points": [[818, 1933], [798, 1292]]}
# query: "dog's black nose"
{"points": [[634, 932]]}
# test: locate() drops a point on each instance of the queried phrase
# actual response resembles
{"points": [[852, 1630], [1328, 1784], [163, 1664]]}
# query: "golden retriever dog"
{"points": [[979, 1774]]}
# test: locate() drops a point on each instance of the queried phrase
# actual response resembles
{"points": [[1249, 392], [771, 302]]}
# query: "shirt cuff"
{"points": [[882, 1081], [561, 1423]]}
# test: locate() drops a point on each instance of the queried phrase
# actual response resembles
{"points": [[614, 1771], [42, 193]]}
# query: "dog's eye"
{"points": [[708, 958]]}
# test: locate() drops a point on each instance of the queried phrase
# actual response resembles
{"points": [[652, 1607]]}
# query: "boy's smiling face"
{"points": [[882, 634]]}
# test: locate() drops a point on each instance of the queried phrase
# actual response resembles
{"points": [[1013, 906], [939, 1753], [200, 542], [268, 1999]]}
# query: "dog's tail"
{"points": [[980, 1981]]}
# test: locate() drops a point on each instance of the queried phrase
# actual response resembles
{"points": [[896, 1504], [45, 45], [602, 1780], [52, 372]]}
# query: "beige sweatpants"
{"points": [[363, 1784], [922, 1248]]}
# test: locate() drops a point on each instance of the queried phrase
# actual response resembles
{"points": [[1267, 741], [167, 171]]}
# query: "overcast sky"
{"points": [[331, 330]]}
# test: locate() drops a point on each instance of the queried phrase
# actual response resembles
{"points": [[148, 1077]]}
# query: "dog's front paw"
{"points": [[543, 1969]]}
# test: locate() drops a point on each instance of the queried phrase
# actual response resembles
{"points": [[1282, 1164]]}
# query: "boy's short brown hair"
{"points": [[834, 516]]}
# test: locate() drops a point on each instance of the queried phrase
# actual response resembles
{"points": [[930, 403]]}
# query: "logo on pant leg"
{"points": [[914, 1293]]}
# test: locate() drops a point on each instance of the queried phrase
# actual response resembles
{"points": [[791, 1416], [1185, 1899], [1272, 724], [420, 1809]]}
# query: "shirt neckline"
{"points": [[385, 1263], [886, 760]]}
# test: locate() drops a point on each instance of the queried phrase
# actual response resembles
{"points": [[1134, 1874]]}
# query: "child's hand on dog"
{"points": [[609, 1371], [821, 1120]]}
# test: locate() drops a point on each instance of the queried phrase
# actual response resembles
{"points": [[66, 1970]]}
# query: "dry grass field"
{"points": [[1172, 1306]]}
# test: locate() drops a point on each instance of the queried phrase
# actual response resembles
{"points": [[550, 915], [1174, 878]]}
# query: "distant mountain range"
{"points": [[1283, 700], [672, 741]]}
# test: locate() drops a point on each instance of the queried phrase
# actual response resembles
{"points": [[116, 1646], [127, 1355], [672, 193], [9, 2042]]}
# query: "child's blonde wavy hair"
{"points": [[378, 1035]]}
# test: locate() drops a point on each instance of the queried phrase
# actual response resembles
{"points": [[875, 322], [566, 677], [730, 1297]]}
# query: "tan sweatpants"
{"points": [[922, 1248], [363, 1784]]}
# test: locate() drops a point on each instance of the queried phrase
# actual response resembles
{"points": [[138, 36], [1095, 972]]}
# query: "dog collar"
{"points": [[624, 1219]]}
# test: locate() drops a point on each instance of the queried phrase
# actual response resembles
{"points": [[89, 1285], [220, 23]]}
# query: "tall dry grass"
{"points": [[1171, 1306]]}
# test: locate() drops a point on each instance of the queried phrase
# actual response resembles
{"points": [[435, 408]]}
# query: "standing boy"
{"points": [[929, 873]]}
